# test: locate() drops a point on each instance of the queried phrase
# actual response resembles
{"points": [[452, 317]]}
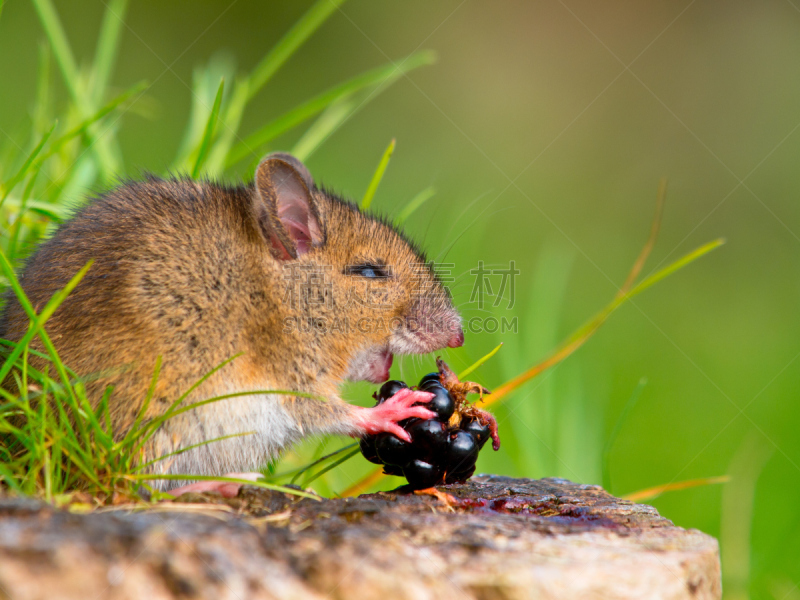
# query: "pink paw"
{"points": [[228, 489], [385, 416]]}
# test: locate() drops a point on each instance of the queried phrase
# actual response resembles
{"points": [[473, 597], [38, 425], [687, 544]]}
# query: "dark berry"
{"points": [[459, 476], [392, 470], [392, 450], [441, 403], [429, 378], [429, 438], [406, 423], [421, 474], [478, 431], [389, 389], [462, 451], [368, 449]]}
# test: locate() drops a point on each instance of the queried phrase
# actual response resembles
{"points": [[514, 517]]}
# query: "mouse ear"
{"points": [[285, 208], [301, 169]]}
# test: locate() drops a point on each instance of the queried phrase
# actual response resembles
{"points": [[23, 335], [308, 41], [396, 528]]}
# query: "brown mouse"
{"points": [[303, 288]]}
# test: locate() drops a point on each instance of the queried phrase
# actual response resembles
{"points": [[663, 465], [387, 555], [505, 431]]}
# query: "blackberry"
{"points": [[429, 438], [421, 474], [430, 377], [441, 403], [459, 476], [462, 451], [479, 432], [389, 389], [392, 470], [367, 446], [391, 450]]}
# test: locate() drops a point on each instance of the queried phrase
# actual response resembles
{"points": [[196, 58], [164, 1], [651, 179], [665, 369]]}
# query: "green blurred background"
{"points": [[545, 128]]}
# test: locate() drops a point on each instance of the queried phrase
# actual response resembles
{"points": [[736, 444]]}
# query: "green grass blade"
{"points": [[323, 127], [587, 330], [380, 76], [58, 41], [676, 266], [84, 125], [104, 413], [333, 465], [140, 436], [377, 176], [348, 104], [143, 434], [107, 48], [205, 82], [11, 248], [290, 42], [98, 434], [6, 475], [41, 112], [43, 355], [297, 473], [8, 271], [479, 362], [263, 72], [54, 212], [159, 420], [23, 170], [59, 211], [205, 378], [152, 425], [646, 283], [101, 147], [192, 447], [415, 203], [38, 321], [261, 484], [208, 134], [218, 158], [84, 463], [151, 390]]}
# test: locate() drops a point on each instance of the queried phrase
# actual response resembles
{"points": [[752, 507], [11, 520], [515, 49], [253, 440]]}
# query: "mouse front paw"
{"points": [[386, 415]]}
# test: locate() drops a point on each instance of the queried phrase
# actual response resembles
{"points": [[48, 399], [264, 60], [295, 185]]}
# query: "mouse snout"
{"points": [[456, 339], [427, 327]]}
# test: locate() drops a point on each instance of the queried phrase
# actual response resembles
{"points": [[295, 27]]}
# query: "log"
{"points": [[491, 538]]}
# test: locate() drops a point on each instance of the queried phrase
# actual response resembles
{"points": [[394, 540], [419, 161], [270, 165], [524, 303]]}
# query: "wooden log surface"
{"points": [[495, 538]]}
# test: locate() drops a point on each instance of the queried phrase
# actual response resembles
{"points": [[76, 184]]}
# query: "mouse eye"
{"points": [[369, 270]]}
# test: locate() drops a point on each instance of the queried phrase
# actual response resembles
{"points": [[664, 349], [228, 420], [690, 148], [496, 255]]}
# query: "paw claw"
{"points": [[418, 396], [422, 413], [398, 431]]}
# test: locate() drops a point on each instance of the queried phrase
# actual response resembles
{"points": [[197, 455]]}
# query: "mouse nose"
{"points": [[456, 340]]}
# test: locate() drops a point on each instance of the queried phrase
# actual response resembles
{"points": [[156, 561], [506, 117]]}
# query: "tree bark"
{"points": [[493, 538]]}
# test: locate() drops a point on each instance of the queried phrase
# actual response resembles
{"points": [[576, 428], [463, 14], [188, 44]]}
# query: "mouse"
{"points": [[293, 285]]}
